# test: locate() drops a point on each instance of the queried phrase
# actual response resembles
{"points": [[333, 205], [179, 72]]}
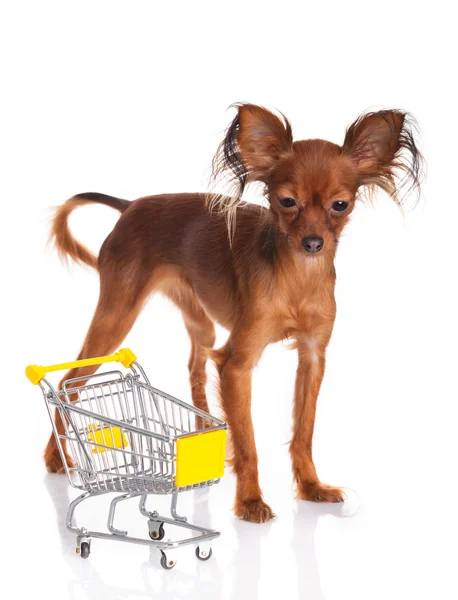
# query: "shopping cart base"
{"points": [[156, 529]]}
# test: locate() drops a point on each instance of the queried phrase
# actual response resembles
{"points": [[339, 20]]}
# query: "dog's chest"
{"points": [[304, 308]]}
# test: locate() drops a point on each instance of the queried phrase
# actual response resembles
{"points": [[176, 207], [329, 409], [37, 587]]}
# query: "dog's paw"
{"points": [[54, 464], [320, 492], [255, 511]]}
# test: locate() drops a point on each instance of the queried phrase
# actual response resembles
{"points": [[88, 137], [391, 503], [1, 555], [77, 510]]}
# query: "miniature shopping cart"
{"points": [[123, 435]]}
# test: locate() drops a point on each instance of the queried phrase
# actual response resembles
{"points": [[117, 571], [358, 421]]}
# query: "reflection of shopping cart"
{"points": [[123, 435]]}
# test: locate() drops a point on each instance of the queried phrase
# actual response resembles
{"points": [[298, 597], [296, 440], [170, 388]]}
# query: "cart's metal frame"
{"points": [[153, 421]]}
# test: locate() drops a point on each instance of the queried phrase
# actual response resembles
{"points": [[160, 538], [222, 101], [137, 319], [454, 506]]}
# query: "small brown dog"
{"points": [[265, 274]]}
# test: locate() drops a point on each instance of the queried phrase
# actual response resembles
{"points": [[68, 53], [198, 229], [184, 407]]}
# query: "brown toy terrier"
{"points": [[265, 274]]}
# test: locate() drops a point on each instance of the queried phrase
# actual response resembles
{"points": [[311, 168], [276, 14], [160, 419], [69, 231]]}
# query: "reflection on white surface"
{"points": [[241, 557], [397, 541], [88, 580]]}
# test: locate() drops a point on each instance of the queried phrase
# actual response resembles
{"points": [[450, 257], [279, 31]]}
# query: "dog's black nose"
{"points": [[313, 244]]}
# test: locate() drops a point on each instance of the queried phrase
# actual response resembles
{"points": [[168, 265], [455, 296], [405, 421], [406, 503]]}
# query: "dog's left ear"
{"points": [[380, 145], [262, 139], [254, 143]]}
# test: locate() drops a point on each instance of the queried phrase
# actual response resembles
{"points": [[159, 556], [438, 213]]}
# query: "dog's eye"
{"points": [[339, 205], [287, 202]]}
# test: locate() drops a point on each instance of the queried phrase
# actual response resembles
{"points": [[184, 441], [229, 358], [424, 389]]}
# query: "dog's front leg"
{"points": [[310, 372], [235, 362]]}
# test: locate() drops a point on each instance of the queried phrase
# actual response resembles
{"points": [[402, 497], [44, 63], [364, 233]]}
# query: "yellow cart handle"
{"points": [[36, 373]]}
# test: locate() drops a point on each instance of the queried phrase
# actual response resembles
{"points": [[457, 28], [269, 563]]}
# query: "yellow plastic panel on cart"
{"points": [[113, 437], [200, 457]]}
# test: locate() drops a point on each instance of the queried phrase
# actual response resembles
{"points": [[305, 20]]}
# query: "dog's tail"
{"points": [[61, 236]]}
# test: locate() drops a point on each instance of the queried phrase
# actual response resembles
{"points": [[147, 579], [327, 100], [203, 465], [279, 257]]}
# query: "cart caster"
{"points": [[204, 553], [84, 547], [156, 530], [85, 550], [167, 563]]}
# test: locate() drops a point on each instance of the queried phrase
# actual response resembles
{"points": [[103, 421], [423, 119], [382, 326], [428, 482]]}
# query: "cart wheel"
{"points": [[206, 557], [85, 550], [167, 564], [159, 534]]}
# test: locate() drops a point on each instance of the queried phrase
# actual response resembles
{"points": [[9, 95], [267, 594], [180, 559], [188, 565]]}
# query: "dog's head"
{"points": [[312, 185]]}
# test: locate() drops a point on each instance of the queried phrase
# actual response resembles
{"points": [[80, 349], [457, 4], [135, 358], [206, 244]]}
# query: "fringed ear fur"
{"points": [[254, 143], [382, 148]]}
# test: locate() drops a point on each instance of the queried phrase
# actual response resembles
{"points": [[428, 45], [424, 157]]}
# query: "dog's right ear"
{"points": [[254, 143], [262, 138]]}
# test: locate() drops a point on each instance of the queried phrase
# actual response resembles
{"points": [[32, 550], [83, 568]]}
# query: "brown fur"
{"points": [[258, 282]]}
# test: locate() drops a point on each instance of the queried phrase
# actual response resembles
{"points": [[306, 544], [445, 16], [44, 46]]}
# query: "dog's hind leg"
{"points": [[119, 305], [202, 334]]}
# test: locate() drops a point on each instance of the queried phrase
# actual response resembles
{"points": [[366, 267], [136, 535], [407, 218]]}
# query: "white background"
{"points": [[130, 99]]}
